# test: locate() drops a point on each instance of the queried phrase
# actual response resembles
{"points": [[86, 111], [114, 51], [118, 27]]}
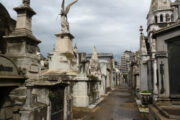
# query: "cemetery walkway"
{"points": [[119, 105]]}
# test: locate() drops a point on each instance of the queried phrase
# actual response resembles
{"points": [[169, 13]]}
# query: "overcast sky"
{"points": [[110, 25]]}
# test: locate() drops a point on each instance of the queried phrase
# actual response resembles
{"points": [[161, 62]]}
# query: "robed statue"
{"points": [[64, 19]]}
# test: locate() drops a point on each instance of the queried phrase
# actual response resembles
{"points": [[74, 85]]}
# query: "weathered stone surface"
{"points": [[2, 114], [80, 94], [18, 95], [64, 43], [6, 113], [23, 49]]}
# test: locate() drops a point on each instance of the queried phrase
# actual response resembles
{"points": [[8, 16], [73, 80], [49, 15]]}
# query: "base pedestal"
{"points": [[80, 93], [64, 43]]}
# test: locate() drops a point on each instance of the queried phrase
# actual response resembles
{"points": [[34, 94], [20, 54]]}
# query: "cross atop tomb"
{"points": [[141, 29], [177, 5]]}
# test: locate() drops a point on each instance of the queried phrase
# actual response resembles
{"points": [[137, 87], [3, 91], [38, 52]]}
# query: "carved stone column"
{"points": [[155, 79]]}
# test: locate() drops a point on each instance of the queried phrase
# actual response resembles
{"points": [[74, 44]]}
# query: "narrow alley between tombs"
{"points": [[89, 60], [119, 105]]}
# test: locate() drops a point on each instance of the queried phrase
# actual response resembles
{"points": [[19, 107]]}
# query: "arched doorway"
{"points": [[174, 68]]}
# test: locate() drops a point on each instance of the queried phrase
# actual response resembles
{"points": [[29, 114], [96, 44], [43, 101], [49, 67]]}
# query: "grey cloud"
{"points": [[111, 25]]}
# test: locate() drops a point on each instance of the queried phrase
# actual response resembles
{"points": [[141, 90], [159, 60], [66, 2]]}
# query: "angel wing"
{"points": [[69, 6], [62, 6]]}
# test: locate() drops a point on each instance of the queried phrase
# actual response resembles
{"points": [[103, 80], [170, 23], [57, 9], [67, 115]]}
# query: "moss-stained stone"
{"points": [[68, 55]]}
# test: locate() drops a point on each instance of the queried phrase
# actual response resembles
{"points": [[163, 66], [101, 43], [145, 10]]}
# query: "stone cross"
{"points": [[26, 2], [177, 4], [141, 29]]}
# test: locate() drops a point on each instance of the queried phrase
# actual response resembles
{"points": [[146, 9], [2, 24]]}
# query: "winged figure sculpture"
{"points": [[64, 19]]}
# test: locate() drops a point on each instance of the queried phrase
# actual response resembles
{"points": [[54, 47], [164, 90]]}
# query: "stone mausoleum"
{"points": [[26, 96], [72, 79], [159, 56]]}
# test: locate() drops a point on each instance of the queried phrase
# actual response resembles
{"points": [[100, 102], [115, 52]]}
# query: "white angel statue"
{"points": [[64, 19]]}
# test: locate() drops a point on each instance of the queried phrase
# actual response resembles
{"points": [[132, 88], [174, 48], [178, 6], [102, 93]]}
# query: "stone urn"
{"points": [[145, 98]]}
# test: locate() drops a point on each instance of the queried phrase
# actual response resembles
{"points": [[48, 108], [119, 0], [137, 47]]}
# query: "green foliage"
{"points": [[145, 91], [44, 79], [92, 77], [137, 89], [69, 56], [51, 96]]}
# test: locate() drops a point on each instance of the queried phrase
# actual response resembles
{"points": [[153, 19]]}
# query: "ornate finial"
{"points": [[94, 54], [141, 29], [75, 46], [26, 2]]}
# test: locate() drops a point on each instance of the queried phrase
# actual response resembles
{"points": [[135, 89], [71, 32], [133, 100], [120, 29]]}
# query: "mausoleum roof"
{"points": [[168, 28], [5, 19], [160, 5]]}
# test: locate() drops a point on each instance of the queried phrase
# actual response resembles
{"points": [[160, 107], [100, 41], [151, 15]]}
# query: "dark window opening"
{"points": [[161, 18], [156, 19], [172, 18]]}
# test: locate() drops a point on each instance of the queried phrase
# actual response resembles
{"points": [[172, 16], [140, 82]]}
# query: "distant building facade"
{"points": [[126, 59]]}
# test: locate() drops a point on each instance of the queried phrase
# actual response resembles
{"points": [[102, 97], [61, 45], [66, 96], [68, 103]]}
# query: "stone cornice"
{"points": [[65, 34], [24, 8], [22, 33]]}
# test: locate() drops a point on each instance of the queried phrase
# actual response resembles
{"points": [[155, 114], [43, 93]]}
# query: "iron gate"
{"points": [[57, 103]]}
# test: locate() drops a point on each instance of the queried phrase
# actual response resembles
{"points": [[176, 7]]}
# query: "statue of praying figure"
{"points": [[64, 19]]}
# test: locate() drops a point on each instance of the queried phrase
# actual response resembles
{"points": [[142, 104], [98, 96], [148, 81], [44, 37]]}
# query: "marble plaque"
{"points": [[34, 68]]}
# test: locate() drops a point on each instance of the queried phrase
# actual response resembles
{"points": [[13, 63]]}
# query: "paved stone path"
{"points": [[119, 105]]}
